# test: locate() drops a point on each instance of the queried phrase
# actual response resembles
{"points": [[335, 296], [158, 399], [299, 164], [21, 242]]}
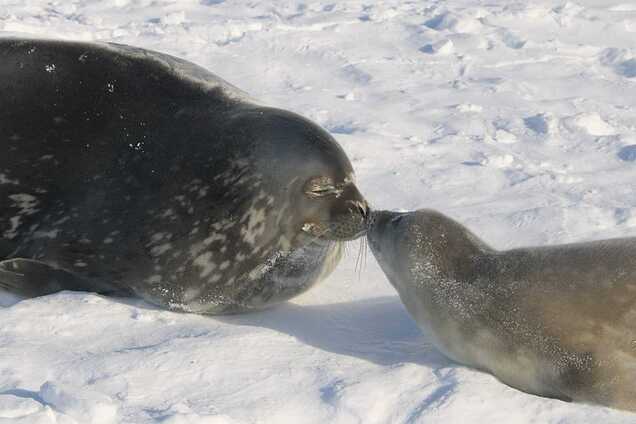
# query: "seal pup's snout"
{"points": [[380, 220], [379, 228]]}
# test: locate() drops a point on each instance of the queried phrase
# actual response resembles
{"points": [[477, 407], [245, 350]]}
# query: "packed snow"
{"points": [[517, 118]]}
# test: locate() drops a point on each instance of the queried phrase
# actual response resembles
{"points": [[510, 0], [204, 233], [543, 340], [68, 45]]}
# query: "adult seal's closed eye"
{"points": [[128, 171], [556, 321]]}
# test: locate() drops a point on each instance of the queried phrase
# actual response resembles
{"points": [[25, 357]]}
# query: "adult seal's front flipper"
{"points": [[30, 278]]}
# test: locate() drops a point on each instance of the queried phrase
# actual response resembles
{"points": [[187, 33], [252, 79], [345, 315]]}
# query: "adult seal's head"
{"points": [[557, 321], [306, 169], [134, 172]]}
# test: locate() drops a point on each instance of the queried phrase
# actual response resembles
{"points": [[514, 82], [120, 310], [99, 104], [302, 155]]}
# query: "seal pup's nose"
{"points": [[362, 207], [379, 219]]}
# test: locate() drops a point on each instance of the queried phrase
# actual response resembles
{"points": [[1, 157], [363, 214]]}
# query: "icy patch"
{"points": [[82, 404], [540, 124], [495, 161], [627, 68], [379, 13], [468, 107], [624, 216], [628, 153], [175, 18], [592, 123], [620, 60], [341, 127], [500, 161], [625, 7], [13, 407], [197, 419], [355, 74], [512, 40], [447, 21], [444, 47], [505, 137], [350, 96]]}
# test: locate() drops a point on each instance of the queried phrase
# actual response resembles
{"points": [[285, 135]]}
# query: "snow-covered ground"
{"points": [[517, 118]]}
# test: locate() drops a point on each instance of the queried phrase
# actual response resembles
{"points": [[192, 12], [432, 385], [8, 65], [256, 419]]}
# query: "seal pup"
{"points": [[131, 172], [555, 321]]}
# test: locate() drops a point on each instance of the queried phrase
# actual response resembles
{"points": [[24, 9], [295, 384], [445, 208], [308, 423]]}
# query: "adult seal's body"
{"points": [[128, 171], [556, 321]]}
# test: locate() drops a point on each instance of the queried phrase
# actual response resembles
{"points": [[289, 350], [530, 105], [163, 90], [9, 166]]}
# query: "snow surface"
{"points": [[516, 117]]}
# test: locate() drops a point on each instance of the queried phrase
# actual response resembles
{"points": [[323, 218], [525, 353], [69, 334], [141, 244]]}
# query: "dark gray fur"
{"points": [[134, 172]]}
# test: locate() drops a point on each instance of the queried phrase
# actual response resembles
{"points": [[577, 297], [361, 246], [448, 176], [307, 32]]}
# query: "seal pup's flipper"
{"points": [[31, 278]]}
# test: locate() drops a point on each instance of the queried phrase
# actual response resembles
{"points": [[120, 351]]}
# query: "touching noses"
{"points": [[355, 202], [361, 207]]}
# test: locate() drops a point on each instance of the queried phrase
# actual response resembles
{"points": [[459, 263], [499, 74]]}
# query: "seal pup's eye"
{"points": [[322, 187]]}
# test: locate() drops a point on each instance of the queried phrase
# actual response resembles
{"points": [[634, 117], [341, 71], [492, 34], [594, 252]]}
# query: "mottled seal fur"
{"points": [[131, 172], [556, 321]]}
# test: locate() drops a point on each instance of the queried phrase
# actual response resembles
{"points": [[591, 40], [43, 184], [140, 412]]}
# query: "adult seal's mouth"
{"points": [[346, 227]]}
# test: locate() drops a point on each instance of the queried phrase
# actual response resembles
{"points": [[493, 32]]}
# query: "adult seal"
{"points": [[130, 172], [556, 321]]}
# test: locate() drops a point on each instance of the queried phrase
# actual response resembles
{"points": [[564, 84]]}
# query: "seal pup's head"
{"points": [[422, 244], [389, 234], [309, 174]]}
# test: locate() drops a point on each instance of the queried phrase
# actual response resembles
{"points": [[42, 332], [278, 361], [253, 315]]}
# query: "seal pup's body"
{"points": [[556, 321], [131, 172]]}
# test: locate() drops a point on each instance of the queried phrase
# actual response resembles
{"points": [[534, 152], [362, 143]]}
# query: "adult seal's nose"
{"points": [[353, 201], [360, 207]]}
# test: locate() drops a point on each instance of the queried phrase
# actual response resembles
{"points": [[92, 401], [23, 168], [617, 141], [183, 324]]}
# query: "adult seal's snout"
{"points": [[129, 171]]}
